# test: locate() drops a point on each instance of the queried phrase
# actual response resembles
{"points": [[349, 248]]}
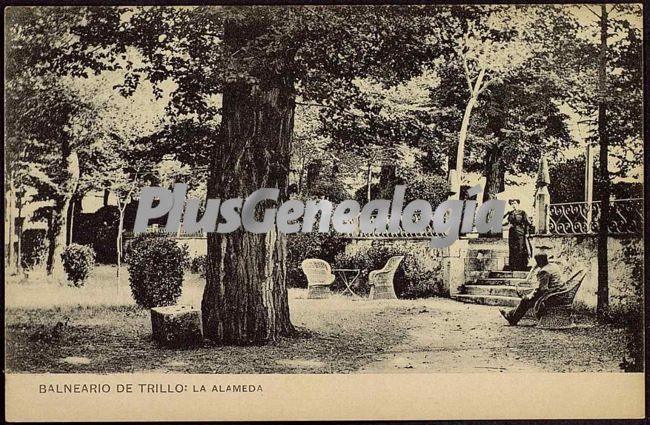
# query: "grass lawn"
{"points": [[107, 333]]}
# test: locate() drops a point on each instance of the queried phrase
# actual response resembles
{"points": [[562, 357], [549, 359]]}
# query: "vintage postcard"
{"points": [[324, 212]]}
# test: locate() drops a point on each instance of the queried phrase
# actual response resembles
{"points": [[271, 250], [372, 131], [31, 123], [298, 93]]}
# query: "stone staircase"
{"points": [[497, 288], [486, 277]]}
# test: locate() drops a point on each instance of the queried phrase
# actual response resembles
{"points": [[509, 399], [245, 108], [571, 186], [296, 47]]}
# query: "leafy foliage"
{"points": [[197, 265], [301, 246], [33, 247], [78, 262], [568, 183], [623, 90], [156, 266], [100, 230]]}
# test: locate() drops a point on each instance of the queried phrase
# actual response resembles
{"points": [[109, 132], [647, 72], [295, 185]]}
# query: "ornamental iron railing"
{"points": [[426, 233], [160, 231], [625, 217]]}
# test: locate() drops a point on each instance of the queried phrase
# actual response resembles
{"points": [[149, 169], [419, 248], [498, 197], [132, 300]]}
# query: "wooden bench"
{"points": [[381, 281], [319, 278]]}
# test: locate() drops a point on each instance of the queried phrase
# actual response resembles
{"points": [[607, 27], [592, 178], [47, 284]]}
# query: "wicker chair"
{"points": [[555, 310], [381, 281], [319, 278]]}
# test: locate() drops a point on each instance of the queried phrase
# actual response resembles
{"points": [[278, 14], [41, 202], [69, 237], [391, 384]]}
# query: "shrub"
{"points": [[411, 280], [627, 311], [430, 187], [301, 246], [99, 230], [197, 265], [33, 247], [156, 266], [331, 189], [78, 262]]}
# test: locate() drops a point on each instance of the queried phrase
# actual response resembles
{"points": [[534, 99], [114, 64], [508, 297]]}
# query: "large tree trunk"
{"points": [[313, 174], [603, 266], [58, 229], [494, 174], [120, 229], [57, 236], [245, 299]]}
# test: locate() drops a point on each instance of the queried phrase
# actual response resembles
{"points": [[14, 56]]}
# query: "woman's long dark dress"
{"points": [[518, 250]]}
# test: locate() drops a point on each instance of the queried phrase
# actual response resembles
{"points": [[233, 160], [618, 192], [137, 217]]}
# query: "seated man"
{"points": [[549, 280]]}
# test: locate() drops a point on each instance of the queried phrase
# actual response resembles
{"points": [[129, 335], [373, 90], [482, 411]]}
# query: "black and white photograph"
{"points": [[322, 190]]}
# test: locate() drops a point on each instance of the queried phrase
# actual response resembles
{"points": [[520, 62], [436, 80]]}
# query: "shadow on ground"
{"points": [[104, 333]]}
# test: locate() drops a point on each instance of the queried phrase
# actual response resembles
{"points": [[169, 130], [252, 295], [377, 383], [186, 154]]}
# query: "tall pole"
{"points": [[542, 198], [603, 271], [589, 184], [10, 201]]}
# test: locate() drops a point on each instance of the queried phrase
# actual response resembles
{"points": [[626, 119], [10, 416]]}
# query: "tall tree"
{"points": [[608, 59], [260, 60], [51, 124], [502, 89], [48, 124], [603, 221], [490, 44]]}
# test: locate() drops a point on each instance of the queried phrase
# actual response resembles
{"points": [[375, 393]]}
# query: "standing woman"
{"points": [[519, 228]]}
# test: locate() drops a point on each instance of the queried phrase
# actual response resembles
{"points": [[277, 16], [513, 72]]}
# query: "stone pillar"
{"points": [[542, 202], [454, 266], [176, 326], [542, 198]]}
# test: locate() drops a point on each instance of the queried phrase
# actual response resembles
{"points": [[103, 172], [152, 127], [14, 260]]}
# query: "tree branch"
{"points": [[487, 83], [592, 11], [467, 76], [313, 105]]}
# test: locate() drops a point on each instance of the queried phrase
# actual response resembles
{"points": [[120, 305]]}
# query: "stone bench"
{"points": [[176, 326]]}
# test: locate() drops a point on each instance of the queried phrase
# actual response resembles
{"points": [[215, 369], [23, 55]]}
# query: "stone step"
{"points": [[480, 264], [496, 300], [500, 290], [476, 274], [508, 274], [487, 253], [503, 281]]}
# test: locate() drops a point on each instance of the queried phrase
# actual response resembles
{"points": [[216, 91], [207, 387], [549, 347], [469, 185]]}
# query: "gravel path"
{"points": [[446, 336], [339, 335]]}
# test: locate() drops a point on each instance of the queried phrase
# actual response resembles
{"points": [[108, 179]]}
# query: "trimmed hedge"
{"points": [[301, 246], [156, 266], [78, 262]]}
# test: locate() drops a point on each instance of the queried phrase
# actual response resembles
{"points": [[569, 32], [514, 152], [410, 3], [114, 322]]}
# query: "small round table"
{"points": [[349, 276]]}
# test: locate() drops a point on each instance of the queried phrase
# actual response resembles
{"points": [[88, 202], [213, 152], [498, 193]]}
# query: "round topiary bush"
{"points": [[156, 265], [78, 262]]}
